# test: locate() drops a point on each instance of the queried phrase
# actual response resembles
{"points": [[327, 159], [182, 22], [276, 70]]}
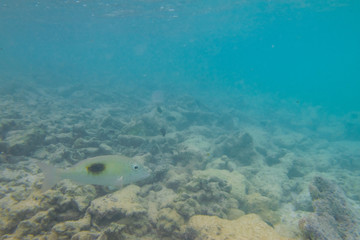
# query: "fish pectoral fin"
{"points": [[119, 182]]}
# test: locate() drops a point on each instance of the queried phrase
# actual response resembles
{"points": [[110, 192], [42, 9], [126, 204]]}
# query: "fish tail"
{"points": [[52, 175]]}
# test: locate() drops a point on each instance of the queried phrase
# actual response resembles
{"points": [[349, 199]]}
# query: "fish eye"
{"points": [[135, 167]]}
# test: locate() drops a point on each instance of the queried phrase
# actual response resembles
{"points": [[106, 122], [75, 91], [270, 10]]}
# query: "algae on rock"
{"points": [[248, 227]]}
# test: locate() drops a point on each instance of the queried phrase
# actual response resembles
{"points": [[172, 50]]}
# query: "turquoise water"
{"points": [[246, 114], [306, 50]]}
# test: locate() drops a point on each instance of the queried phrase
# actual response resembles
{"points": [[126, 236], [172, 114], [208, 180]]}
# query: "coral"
{"points": [[248, 227], [334, 218]]}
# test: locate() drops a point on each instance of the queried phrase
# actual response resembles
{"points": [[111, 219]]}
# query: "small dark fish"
{"points": [[163, 131], [159, 109]]}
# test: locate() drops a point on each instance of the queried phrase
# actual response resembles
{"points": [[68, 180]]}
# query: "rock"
{"points": [[175, 180], [248, 227], [17, 212], [81, 195], [263, 206], [110, 122], [269, 182], [130, 141], [236, 180], [79, 131], [105, 149], [303, 201], [3, 148], [157, 200], [223, 162], [291, 140], [186, 157], [85, 235], [114, 231], [187, 208], [89, 151], [65, 138], [218, 163], [147, 126], [43, 220], [81, 143], [169, 221], [120, 204], [335, 217], [209, 193], [235, 213], [70, 228], [69, 196], [5, 126], [24, 142], [239, 147]]}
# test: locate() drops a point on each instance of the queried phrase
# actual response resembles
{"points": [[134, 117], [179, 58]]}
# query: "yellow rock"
{"points": [[248, 227]]}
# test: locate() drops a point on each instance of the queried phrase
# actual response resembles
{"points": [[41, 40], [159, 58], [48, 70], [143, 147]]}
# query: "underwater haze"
{"points": [[245, 113], [306, 50]]}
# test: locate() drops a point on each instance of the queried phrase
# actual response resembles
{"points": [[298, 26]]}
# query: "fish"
{"points": [[108, 170], [159, 109], [163, 131]]}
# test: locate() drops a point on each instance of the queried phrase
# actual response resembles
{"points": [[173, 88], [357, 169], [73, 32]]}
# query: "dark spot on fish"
{"points": [[159, 109], [163, 131], [96, 168]]}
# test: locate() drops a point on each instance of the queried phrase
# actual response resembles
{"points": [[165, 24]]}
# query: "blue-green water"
{"points": [[234, 108], [306, 50]]}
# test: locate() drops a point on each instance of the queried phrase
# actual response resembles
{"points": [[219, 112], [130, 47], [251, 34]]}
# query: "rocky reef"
{"points": [[215, 173], [335, 217], [246, 227]]}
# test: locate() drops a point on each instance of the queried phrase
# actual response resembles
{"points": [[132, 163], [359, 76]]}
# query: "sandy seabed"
{"points": [[254, 169]]}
